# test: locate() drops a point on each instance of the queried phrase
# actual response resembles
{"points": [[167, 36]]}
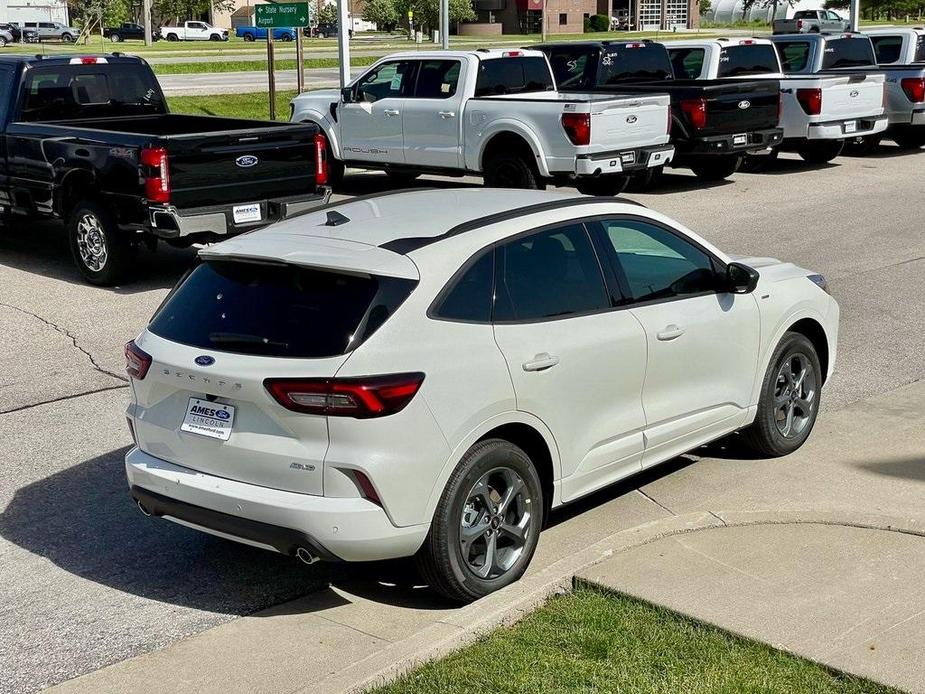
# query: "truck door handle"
{"points": [[446, 114], [391, 112], [670, 332], [541, 362]]}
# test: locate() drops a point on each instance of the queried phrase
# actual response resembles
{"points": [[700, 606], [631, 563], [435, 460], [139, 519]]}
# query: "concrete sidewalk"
{"points": [[819, 553]]}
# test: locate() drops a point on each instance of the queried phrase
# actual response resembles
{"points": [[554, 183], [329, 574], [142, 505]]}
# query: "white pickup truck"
{"points": [[490, 112], [820, 107], [194, 31], [900, 52]]}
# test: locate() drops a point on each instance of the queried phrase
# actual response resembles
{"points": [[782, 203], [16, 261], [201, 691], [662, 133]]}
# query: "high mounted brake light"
{"points": [[137, 361], [746, 42], [157, 175], [361, 398], [635, 45], [88, 60], [512, 54]]}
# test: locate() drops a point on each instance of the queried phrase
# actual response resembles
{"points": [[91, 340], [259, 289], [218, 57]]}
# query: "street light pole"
{"points": [[855, 18], [343, 42], [146, 9], [445, 24]]}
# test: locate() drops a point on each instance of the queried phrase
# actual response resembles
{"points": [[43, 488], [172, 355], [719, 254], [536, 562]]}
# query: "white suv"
{"points": [[429, 373]]}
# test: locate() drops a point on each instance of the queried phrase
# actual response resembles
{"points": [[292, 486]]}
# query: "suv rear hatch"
{"points": [[230, 325]]}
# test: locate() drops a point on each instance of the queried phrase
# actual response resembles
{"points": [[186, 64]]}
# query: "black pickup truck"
{"points": [[89, 140], [715, 123]]}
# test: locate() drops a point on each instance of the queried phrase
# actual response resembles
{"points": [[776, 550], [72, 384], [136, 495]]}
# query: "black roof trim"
{"points": [[407, 245]]}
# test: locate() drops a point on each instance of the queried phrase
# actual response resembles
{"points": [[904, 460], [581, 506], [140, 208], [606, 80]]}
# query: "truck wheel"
{"points": [[821, 152], [486, 525], [716, 168], [862, 146], [2, 42], [602, 186], [511, 170], [68, 38], [789, 399], [756, 163], [909, 139], [248, 37], [115, 38], [173, 37], [215, 37], [101, 252]]}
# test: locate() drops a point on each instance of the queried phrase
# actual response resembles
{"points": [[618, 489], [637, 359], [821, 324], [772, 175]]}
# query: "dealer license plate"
{"points": [[246, 213], [851, 126], [740, 139], [212, 419]]}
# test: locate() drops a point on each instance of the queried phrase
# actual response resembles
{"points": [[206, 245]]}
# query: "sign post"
{"points": [[283, 14], [343, 41], [411, 25], [445, 24]]}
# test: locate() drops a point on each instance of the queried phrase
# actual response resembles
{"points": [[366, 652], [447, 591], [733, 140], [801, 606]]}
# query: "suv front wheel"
{"points": [[486, 525]]}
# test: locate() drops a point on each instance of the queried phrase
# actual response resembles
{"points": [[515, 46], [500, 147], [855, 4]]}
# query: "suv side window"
{"points": [[513, 76], [548, 274], [468, 296], [437, 79], [393, 79], [656, 264]]}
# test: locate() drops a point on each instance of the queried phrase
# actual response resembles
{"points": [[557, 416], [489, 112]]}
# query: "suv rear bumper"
{"points": [[350, 529], [632, 159], [739, 143], [168, 222], [835, 130]]}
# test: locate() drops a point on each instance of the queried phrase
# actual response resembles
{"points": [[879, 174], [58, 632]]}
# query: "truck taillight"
{"points": [[810, 100], [361, 398], [799, 24], [577, 127], [321, 159], [696, 111], [137, 361], [157, 175], [914, 87]]}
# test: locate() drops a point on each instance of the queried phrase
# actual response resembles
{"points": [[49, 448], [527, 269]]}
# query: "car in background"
{"points": [[325, 30], [53, 31], [193, 31], [14, 29], [5, 37], [476, 358], [128, 31], [812, 22], [252, 33], [900, 53]]}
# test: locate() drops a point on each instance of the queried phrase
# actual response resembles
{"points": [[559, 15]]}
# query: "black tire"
{"points": [[512, 170], [68, 38], [602, 186], [105, 238], [764, 435], [173, 37], [2, 42], [286, 37], [321, 35], [910, 139], [862, 146], [756, 163], [248, 37], [402, 178], [115, 38], [821, 151], [717, 168], [215, 37], [442, 561]]}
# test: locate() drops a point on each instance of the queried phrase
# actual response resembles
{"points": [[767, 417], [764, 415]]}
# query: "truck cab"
{"points": [[194, 31]]}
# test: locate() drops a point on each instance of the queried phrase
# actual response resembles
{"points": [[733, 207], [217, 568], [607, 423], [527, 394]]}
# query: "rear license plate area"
{"points": [[738, 140], [211, 419], [247, 213], [851, 126]]}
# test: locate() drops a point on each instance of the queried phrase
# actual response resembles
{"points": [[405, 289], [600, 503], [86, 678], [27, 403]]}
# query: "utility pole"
{"points": [[271, 72], [445, 24], [343, 42], [855, 17], [146, 9]]}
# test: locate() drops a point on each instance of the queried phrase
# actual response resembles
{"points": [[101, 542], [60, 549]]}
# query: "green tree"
{"points": [[704, 6], [383, 13], [427, 12], [328, 14], [182, 10]]}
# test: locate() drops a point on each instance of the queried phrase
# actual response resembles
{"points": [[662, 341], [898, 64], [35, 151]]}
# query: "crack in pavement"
{"points": [[71, 337], [63, 397], [657, 503]]}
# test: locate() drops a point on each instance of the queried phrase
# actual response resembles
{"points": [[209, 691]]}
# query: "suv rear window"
{"points": [[757, 59], [499, 76], [277, 310], [853, 52]]}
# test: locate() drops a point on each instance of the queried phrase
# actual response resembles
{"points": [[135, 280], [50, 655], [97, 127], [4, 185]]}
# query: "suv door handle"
{"points": [[447, 114], [541, 362], [391, 112], [670, 332]]}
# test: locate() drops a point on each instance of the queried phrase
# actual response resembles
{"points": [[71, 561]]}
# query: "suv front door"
{"points": [[431, 119], [575, 361], [702, 342], [371, 126]]}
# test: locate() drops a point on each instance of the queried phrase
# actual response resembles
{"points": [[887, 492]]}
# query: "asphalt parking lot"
{"points": [[86, 580]]}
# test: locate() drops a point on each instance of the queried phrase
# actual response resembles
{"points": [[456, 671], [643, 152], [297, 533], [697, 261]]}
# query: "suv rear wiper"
{"points": [[245, 339]]}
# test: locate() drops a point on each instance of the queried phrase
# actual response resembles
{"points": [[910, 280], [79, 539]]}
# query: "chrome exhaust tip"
{"points": [[141, 507], [305, 556]]}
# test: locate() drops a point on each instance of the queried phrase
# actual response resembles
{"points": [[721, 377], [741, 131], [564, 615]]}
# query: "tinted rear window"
{"points": [[622, 65], [277, 310], [841, 53], [757, 59], [687, 63], [793, 56], [920, 50], [513, 76]]}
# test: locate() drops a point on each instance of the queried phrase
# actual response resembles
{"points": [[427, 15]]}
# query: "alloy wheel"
{"points": [[794, 395], [91, 242], [496, 523]]}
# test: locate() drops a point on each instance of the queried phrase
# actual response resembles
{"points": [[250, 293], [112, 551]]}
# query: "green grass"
{"points": [[252, 65], [255, 105], [593, 642]]}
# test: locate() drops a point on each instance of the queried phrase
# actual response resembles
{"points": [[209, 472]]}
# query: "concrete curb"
{"points": [[511, 604]]}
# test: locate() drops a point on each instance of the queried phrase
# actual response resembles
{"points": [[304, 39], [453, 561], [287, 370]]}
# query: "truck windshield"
{"points": [[850, 52], [756, 59], [62, 92]]}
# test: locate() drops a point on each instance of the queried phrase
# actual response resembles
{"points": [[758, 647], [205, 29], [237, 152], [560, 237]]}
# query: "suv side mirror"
{"points": [[741, 279], [346, 95]]}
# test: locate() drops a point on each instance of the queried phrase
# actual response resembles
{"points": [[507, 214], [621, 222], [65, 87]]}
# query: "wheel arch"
{"points": [[73, 187], [508, 135], [807, 322], [815, 333]]}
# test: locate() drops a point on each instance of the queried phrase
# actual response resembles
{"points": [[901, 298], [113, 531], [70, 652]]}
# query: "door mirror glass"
{"points": [[741, 279], [346, 95]]}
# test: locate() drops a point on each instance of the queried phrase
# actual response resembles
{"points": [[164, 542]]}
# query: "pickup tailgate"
{"points": [[630, 120], [265, 161], [741, 106], [851, 96]]}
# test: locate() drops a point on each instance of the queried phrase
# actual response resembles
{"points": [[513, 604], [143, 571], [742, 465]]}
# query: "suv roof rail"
{"points": [[359, 198]]}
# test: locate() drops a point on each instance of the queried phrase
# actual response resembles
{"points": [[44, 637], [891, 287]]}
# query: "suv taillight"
{"points": [[696, 111], [362, 398], [914, 87], [157, 176], [577, 127], [137, 361], [321, 159], [810, 100]]}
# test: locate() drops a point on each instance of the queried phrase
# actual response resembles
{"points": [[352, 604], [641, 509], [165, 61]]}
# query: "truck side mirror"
{"points": [[346, 95], [741, 279]]}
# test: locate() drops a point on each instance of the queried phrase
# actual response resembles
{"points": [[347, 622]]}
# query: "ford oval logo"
{"points": [[631, 119], [854, 93], [205, 360], [222, 414], [744, 104], [247, 161]]}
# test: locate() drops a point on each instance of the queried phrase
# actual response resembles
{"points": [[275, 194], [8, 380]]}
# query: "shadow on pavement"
{"points": [[901, 468]]}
